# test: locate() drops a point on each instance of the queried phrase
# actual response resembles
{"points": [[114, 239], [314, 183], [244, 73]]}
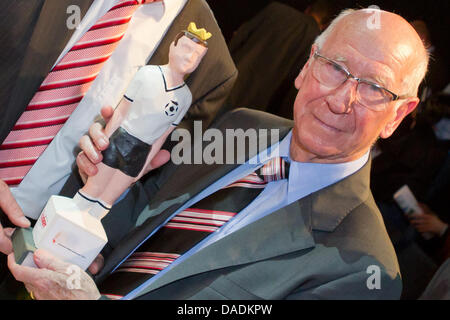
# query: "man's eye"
{"points": [[336, 67], [376, 89]]}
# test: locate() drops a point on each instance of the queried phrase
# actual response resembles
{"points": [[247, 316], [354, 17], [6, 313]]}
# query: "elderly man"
{"points": [[311, 233]]}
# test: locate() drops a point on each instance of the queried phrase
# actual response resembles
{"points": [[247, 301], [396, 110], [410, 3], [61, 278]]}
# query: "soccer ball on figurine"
{"points": [[171, 108]]}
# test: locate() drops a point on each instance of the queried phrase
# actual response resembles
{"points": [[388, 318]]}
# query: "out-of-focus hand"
{"points": [[15, 215], [160, 158], [428, 222], [97, 265], [55, 279]]}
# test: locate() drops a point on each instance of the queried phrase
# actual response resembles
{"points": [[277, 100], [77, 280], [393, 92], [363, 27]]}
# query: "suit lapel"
{"points": [[49, 38], [284, 231], [332, 204]]}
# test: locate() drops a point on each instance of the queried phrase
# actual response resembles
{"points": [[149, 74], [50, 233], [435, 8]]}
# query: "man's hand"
{"points": [[92, 145], [97, 141], [97, 265], [427, 222], [55, 279], [15, 215]]}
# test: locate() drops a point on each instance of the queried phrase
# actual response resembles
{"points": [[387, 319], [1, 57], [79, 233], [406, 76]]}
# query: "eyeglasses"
{"points": [[369, 94]]}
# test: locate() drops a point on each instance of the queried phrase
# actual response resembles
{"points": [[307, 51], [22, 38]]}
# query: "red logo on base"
{"points": [[43, 220]]}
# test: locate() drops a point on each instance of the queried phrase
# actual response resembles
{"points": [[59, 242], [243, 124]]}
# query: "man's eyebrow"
{"points": [[376, 78], [381, 81], [385, 79], [340, 58]]}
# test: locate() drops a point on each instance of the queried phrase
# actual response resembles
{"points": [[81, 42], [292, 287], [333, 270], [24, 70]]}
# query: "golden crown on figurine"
{"points": [[201, 33]]}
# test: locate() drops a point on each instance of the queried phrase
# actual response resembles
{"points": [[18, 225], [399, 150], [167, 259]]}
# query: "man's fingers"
{"points": [[107, 113], [9, 231], [50, 280], [425, 208], [45, 260], [11, 208], [85, 166], [22, 273], [97, 265], [5, 242], [158, 160], [162, 157], [32, 290], [90, 150], [416, 222], [97, 135], [416, 217], [423, 229], [420, 218]]}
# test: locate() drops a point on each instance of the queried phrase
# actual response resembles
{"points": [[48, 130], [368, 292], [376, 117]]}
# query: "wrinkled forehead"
{"points": [[384, 49]]}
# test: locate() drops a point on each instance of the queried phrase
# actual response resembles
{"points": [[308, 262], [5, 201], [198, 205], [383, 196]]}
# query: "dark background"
{"points": [[230, 14]]}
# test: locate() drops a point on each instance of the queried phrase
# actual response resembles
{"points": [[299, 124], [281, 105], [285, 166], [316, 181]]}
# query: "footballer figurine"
{"points": [[154, 104]]}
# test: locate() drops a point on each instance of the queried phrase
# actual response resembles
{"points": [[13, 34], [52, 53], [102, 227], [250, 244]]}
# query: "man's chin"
{"points": [[313, 149]]}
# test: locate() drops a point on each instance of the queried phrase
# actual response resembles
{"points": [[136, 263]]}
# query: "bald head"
{"points": [[381, 36]]}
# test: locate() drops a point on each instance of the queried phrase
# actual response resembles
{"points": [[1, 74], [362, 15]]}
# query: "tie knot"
{"points": [[275, 169]]}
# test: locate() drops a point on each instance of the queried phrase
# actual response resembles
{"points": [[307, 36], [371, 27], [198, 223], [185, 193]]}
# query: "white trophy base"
{"points": [[69, 233]]}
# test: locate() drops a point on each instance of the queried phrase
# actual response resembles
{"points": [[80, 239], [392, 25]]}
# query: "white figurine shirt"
{"points": [[154, 107]]}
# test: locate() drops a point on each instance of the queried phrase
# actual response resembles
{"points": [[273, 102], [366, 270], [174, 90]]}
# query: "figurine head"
{"points": [[188, 49]]}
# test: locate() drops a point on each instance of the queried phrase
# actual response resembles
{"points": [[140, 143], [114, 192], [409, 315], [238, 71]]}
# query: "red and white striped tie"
{"points": [[190, 226], [61, 91]]}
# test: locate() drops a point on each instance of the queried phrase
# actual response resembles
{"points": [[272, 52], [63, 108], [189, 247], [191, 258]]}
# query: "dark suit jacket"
{"points": [[439, 286], [324, 246]]}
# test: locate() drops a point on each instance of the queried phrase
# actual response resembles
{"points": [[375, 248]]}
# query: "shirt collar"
{"points": [[306, 178]]}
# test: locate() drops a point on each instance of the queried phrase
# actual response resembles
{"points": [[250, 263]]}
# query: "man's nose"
{"points": [[341, 99]]}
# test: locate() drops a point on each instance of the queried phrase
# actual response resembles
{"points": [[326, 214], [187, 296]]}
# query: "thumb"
{"points": [[45, 260], [162, 157], [11, 208], [107, 113]]}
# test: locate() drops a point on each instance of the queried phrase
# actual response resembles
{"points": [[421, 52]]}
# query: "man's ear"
{"points": [[299, 80], [402, 111]]}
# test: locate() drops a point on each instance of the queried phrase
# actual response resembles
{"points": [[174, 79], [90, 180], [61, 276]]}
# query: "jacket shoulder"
{"points": [[363, 233], [250, 118]]}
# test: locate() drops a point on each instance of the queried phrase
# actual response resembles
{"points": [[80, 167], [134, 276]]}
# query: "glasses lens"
{"points": [[329, 74], [332, 75], [373, 97]]}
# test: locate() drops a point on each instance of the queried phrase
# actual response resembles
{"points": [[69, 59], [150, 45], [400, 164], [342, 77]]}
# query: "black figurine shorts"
{"points": [[126, 153]]}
